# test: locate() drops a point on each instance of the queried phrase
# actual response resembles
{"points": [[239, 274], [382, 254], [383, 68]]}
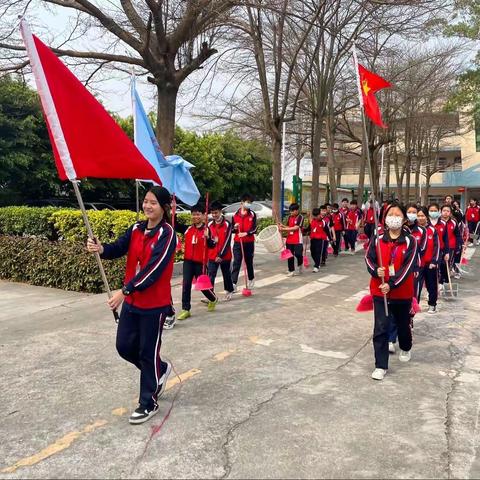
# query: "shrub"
{"points": [[26, 221], [64, 265]]}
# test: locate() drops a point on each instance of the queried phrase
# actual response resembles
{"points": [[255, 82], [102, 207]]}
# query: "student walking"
{"points": [[294, 241], [472, 217], [244, 227], [353, 218], [339, 226], [196, 237], [220, 250], [146, 296], [318, 237], [398, 251]]}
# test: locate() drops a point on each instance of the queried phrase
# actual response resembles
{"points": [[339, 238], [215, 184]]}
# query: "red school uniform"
{"points": [[431, 253], [221, 239], [472, 214], [296, 236], [318, 229], [370, 216], [338, 220], [247, 223], [351, 219], [195, 244], [441, 228]]}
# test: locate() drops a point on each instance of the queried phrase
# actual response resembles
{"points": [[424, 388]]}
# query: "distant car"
{"points": [[261, 210], [52, 202], [182, 208], [98, 206]]}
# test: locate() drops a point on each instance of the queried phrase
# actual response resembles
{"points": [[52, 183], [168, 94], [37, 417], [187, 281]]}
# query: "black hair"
{"points": [[424, 210], [434, 204], [246, 197], [164, 199], [344, 199], [294, 206], [199, 207], [412, 205], [328, 204], [447, 206], [323, 207], [448, 195], [335, 205], [316, 212], [396, 205], [353, 202], [216, 205]]}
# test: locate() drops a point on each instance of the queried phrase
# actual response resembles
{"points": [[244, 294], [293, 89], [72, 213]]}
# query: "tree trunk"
{"points": [[331, 164], [339, 176], [417, 181], [316, 151], [426, 190], [276, 172], [166, 109], [387, 172], [408, 169], [361, 175]]}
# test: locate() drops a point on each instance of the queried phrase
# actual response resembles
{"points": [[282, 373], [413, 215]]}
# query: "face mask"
{"points": [[247, 204], [434, 215], [411, 217], [393, 222], [335, 211]]}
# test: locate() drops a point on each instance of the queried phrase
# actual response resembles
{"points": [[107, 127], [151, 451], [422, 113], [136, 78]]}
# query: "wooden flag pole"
{"points": [[367, 151], [92, 236]]}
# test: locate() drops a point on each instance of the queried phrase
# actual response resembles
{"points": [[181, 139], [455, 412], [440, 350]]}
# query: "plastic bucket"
{"points": [[271, 238]]}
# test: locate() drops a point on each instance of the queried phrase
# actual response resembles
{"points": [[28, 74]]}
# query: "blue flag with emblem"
{"points": [[173, 170]]}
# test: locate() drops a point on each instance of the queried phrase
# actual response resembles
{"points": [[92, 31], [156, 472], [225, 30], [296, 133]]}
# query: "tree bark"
{"points": [[166, 109], [316, 151], [276, 172], [361, 175], [331, 164]]}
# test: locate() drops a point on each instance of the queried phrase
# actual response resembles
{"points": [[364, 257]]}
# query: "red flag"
{"points": [[370, 84], [86, 141]]}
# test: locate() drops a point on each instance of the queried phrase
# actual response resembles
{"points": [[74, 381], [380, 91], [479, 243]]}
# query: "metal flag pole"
{"points": [[92, 236], [369, 162], [137, 198]]}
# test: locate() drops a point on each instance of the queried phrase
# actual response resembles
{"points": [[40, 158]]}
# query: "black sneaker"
{"points": [[141, 415], [169, 322]]}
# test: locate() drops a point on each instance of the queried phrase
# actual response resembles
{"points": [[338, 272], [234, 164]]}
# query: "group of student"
{"points": [[415, 246]]}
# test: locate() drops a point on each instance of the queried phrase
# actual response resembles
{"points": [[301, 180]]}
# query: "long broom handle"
{"points": [[92, 236], [449, 277], [204, 267]]}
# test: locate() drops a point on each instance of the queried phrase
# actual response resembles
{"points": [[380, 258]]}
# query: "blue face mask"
{"points": [[434, 215]]}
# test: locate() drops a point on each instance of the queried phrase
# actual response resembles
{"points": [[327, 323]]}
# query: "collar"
{"points": [[143, 227], [401, 239]]}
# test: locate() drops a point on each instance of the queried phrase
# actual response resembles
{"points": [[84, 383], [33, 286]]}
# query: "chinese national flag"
{"points": [[371, 84]]}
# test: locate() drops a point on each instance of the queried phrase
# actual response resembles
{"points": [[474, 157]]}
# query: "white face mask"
{"points": [[393, 222], [411, 217], [247, 204], [434, 215]]}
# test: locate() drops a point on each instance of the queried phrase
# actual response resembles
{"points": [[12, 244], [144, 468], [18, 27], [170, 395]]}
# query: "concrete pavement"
{"points": [[274, 386]]}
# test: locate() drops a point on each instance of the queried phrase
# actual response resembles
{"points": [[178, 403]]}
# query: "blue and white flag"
{"points": [[173, 170]]}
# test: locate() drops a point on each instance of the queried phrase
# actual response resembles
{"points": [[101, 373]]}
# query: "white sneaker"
{"points": [[391, 347], [291, 274], [441, 288], [228, 296], [169, 322], [315, 270], [300, 269], [379, 374], [251, 283], [457, 276], [404, 356], [432, 310], [235, 289]]}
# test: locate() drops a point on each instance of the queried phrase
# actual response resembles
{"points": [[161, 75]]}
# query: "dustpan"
{"points": [[203, 283], [365, 304], [306, 262], [286, 254]]}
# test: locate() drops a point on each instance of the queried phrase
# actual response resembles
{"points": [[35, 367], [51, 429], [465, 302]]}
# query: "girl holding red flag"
{"points": [[395, 279], [146, 296]]}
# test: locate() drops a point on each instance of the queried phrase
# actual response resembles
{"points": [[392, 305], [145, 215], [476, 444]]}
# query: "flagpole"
{"points": [[365, 146], [92, 236], [137, 198]]}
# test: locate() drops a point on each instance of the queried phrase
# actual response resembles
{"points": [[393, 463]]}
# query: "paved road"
{"points": [[276, 385]]}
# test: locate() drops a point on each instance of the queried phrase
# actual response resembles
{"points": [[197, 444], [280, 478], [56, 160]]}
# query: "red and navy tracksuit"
{"points": [[441, 229], [472, 217], [194, 259], [220, 248], [428, 272], [338, 223], [452, 242], [420, 234], [150, 257], [398, 258], [318, 238], [351, 220], [294, 241], [369, 227], [246, 223]]}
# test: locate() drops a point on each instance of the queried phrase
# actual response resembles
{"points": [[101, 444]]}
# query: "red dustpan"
{"points": [[330, 250], [362, 237], [203, 283], [306, 262], [416, 308], [286, 254], [464, 261], [366, 304]]}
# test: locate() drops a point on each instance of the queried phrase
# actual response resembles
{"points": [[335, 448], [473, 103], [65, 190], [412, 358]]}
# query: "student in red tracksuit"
{"points": [[244, 227], [220, 248], [441, 228], [472, 217], [455, 241], [318, 230], [429, 267], [369, 220], [338, 220], [352, 220], [344, 208], [146, 296], [195, 255], [294, 241], [420, 234], [398, 250]]}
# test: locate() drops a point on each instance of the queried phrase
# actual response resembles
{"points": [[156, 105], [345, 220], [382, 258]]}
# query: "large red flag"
{"points": [[86, 141], [371, 83]]}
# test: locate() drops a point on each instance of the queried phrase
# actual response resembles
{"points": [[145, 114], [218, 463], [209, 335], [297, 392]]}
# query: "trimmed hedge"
{"points": [[26, 221], [64, 265]]}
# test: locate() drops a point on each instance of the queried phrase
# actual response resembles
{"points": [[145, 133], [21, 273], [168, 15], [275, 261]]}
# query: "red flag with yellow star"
{"points": [[371, 84]]}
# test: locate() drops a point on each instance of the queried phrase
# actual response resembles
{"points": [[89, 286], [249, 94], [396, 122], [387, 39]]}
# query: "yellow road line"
{"points": [[222, 355], [183, 377], [57, 446]]}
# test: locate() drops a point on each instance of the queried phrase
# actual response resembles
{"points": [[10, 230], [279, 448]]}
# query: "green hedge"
{"points": [[64, 265], [26, 221]]}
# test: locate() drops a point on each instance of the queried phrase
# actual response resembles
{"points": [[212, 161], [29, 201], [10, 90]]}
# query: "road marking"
{"points": [[219, 357], [303, 291], [259, 341], [219, 278], [323, 353], [59, 445], [183, 377], [357, 296], [118, 412], [333, 278], [264, 282]]}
